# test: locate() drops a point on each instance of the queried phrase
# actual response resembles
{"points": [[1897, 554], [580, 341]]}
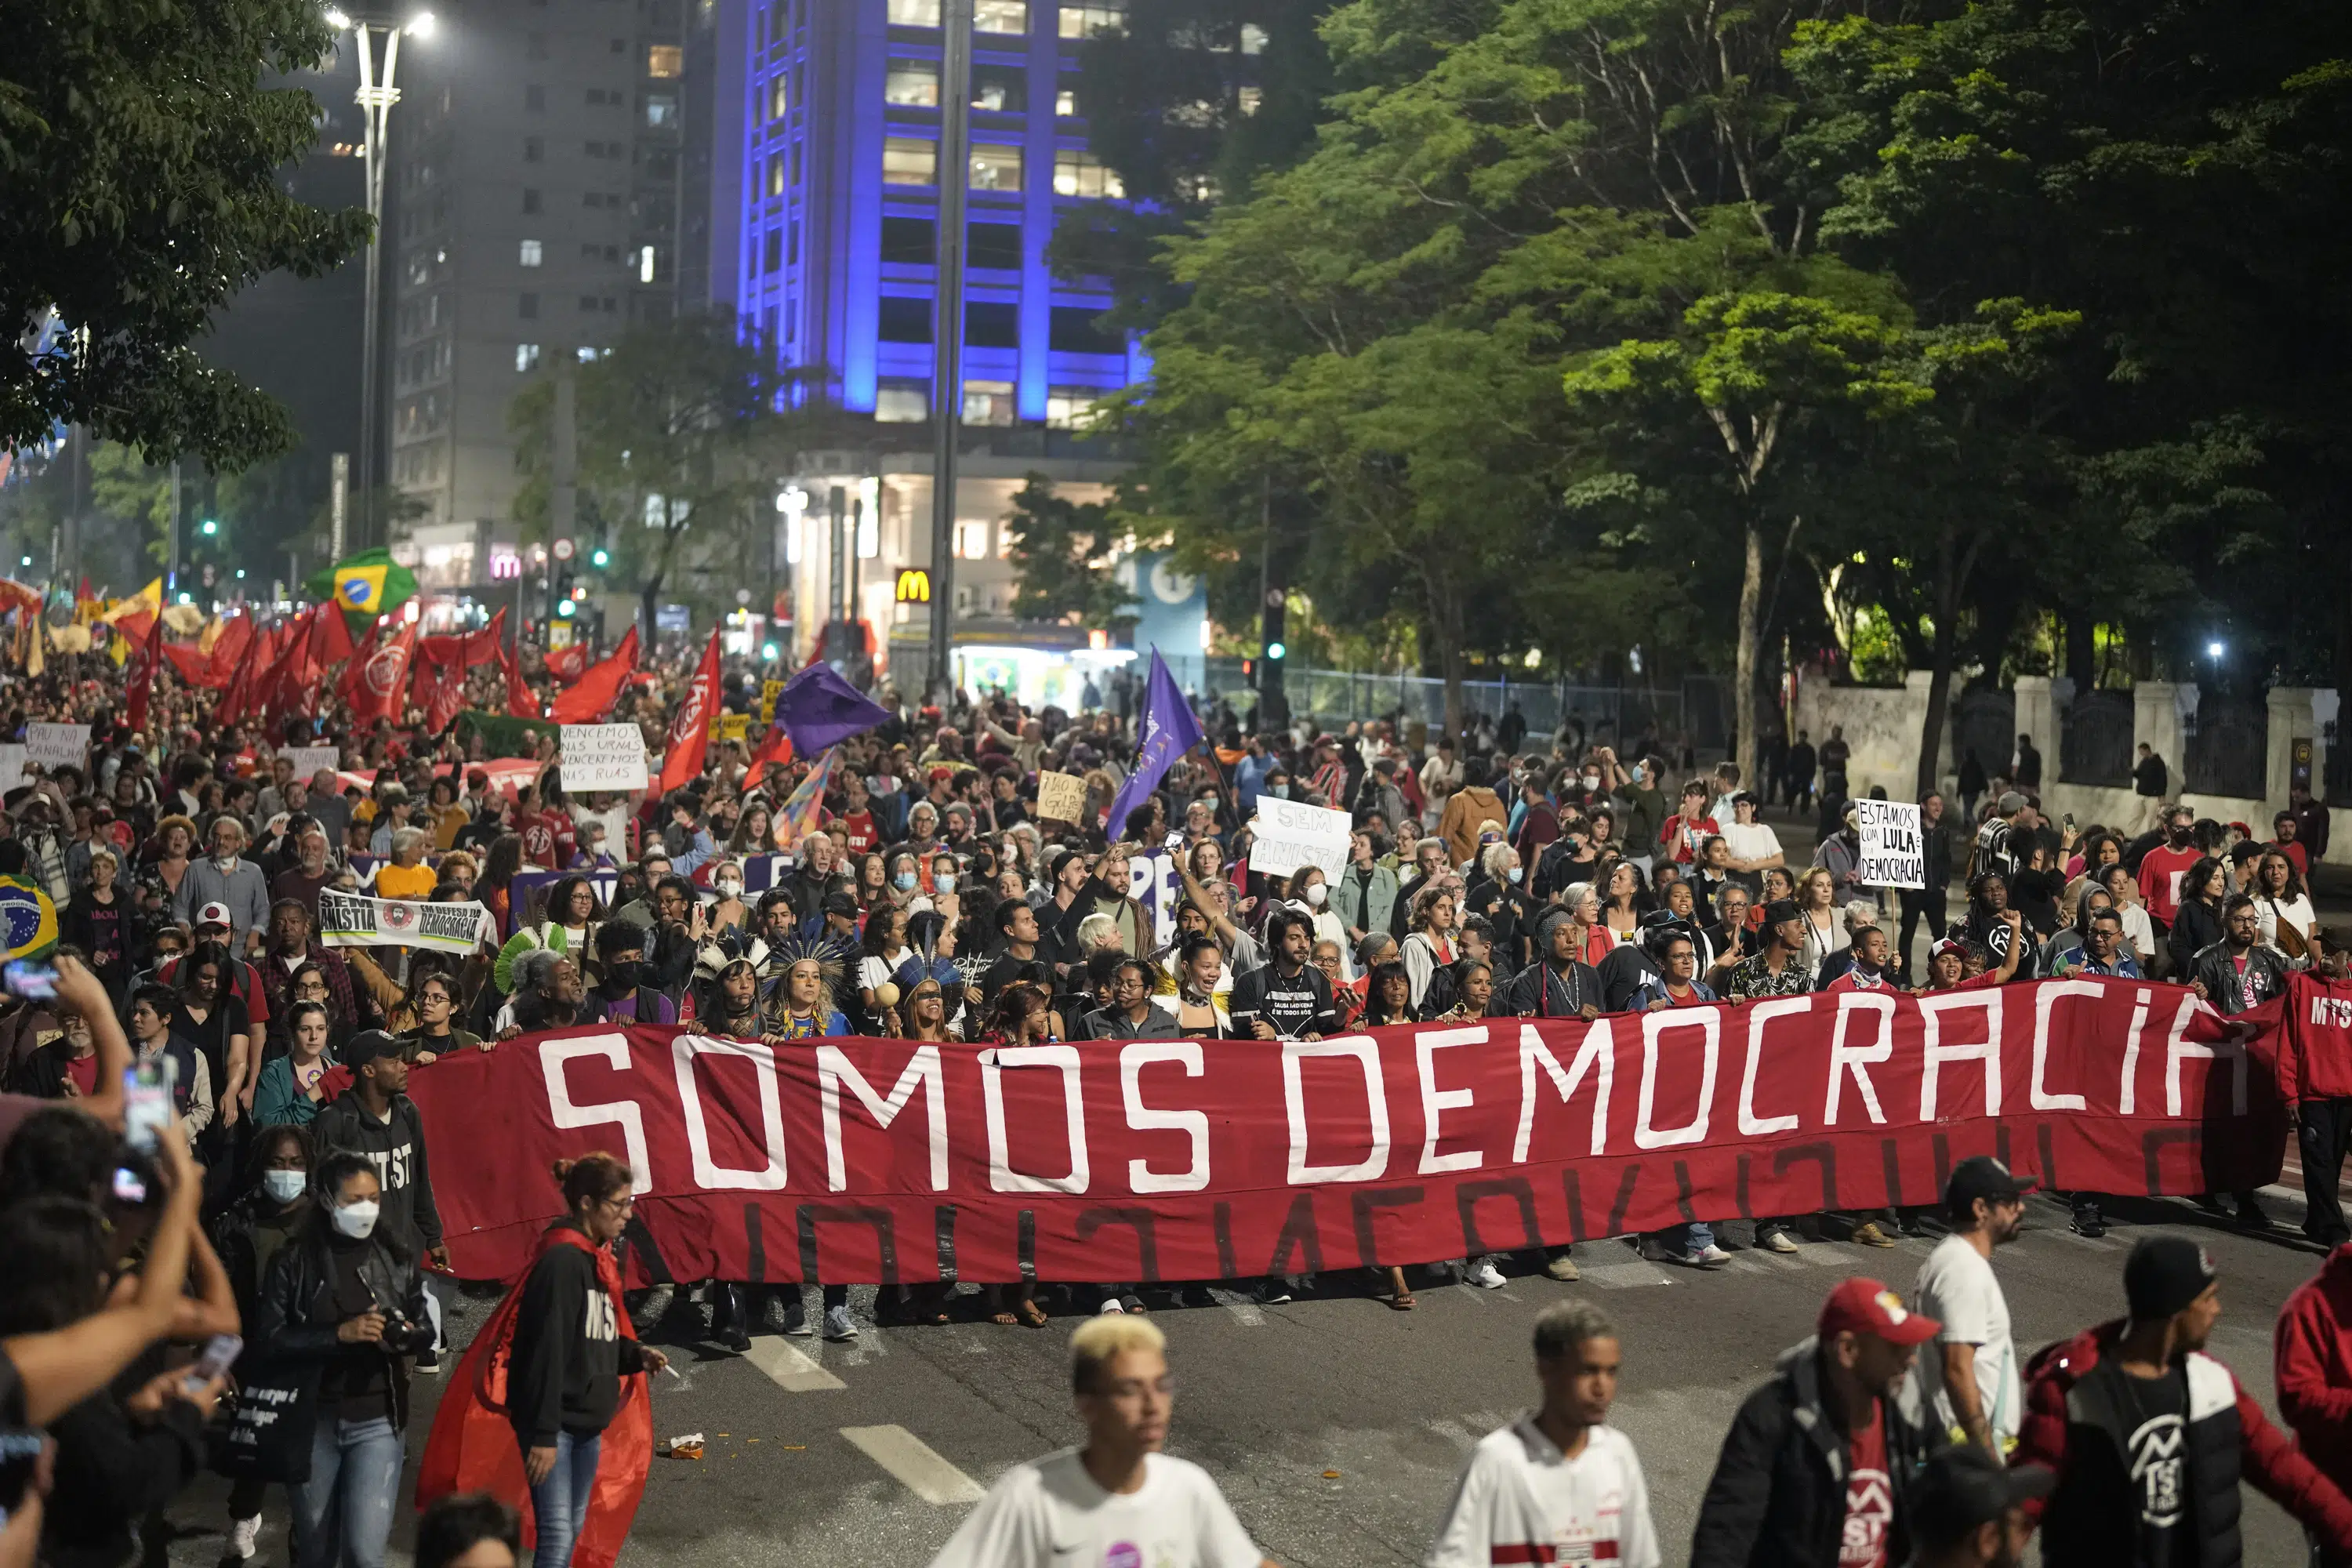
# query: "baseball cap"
{"points": [[213, 914], [1958, 949], [1863, 1305], [2009, 804], [1963, 1487], [1982, 1176], [838, 904], [366, 1046], [2164, 1274]]}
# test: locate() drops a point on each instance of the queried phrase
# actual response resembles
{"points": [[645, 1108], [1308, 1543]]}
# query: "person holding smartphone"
{"points": [[345, 1296]]}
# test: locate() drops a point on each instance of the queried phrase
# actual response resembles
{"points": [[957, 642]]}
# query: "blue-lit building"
{"points": [[823, 232]]}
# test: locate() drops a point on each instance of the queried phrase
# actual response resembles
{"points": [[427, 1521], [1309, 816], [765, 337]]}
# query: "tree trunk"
{"points": [[1448, 615], [1743, 700], [2081, 655], [1949, 574], [648, 604]]}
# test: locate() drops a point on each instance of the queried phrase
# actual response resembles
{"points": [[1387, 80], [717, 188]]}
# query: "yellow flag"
{"points": [[150, 599]]}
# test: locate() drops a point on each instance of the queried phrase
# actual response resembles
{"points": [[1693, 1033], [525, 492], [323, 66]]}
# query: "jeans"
{"points": [[560, 1504], [2325, 1127], [1696, 1236], [1921, 906], [343, 1512]]}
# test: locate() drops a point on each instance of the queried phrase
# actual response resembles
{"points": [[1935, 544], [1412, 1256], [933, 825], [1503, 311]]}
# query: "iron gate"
{"points": [[1984, 720], [2095, 739], [2229, 751]]}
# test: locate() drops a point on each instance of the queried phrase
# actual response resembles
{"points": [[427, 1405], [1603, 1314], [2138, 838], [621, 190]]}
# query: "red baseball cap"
{"points": [[1867, 1307]]}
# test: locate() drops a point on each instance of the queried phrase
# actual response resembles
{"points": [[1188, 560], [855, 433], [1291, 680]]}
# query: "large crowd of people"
{"points": [[924, 894]]}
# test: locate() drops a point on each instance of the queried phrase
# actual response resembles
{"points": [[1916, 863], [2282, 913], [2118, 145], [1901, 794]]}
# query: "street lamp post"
{"points": [[376, 97]]}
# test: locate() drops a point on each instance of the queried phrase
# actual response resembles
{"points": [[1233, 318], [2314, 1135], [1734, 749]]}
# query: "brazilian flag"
{"points": [[364, 586], [28, 919]]}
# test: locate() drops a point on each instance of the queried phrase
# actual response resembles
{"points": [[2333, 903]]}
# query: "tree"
{"points": [[1063, 552], [682, 424], [138, 154]]}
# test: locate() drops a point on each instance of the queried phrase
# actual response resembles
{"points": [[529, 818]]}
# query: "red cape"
{"points": [[473, 1447]]}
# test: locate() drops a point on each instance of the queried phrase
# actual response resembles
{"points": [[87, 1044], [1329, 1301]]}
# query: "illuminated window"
{"points": [[999, 16], [995, 167], [1071, 407], [661, 109], [1065, 102], [912, 84], [988, 403], [971, 541], [902, 403], [780, 97], [526, 357], [1082, 21], [776, 174], [530, 253], [914, 13], [665, 60], [909, 161], [1077, 172]]}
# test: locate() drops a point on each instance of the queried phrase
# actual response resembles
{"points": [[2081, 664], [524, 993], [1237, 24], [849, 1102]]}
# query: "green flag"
{"points": [[366, 586]]}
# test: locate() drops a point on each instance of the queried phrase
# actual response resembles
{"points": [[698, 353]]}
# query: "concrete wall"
{"points": [[1883, 724]]}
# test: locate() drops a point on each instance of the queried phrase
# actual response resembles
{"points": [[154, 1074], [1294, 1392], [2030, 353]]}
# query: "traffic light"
{"points": [[1273, 703], [211, 527], [600, 558]]}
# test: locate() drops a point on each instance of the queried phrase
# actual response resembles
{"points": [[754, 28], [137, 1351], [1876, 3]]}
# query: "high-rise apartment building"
{"points": [[546, 195], [826, 185]]}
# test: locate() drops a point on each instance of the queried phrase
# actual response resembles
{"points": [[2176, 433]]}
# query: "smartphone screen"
{"points": [[220, 1354], [33, 981], [147, 1102]]}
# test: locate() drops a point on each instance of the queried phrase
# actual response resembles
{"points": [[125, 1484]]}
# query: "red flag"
{"points": [[446, 699], [568, 663], [238, 697], [690, 727], [775, 746], [229, 649], [523, 702], [139, 671], [377, 685], [589, 698], [330, 639], [189, 663], [489, 643]]}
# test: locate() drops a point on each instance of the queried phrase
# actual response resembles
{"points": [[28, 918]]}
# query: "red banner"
{"points": [[865, 1160]]}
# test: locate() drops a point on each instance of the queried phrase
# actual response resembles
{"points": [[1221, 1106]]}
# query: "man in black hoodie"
{"points": [[375, 1119], [1819, 1462]]}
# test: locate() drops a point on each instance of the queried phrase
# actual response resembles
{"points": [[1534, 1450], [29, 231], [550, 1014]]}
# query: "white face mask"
{"points": [[285, 1186], [729, 886], [356, 1220], [1593, 781], [225, 862], [1316, 895]]}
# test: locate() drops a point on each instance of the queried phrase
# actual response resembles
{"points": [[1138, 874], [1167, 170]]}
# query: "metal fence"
{"points": [[1693, 707], [2228, 749], [2095, 739]]}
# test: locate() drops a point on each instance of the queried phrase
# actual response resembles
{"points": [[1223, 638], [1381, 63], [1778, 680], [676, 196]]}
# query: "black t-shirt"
{"points": [[211, 1037], [2155, 1410], [1297, 1006]]}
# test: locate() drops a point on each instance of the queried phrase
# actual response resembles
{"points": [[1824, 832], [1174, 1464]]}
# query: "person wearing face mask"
{"points": [[729, 912], [625, 994], [1310, 891], [343, 1295], [247, 1237], [376, 1118]]}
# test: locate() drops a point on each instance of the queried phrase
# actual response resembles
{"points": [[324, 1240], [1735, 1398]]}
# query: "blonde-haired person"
{"points": [[1817, 905], [1117, 1497]]}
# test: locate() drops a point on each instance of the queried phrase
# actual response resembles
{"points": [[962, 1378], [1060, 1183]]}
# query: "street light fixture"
{"points": [[376, 97], [2213, 650]]}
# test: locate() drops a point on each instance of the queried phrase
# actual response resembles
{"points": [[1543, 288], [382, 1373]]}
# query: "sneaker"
{"points": [[1272, 1292], [2210, 1205], [1777, 1241], [428, 1360], [1484, 1275], [1110, 1307], [1563, 1268], [2088, 1222], [1868, 1233], [795, 1315], [837, 1325], [1712, 1256], [245, 1537], [2251, 1212]]}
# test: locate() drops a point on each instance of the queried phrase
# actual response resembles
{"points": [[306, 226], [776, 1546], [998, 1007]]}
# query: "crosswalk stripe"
{"points": [[914, 1465], [789, 1367]]}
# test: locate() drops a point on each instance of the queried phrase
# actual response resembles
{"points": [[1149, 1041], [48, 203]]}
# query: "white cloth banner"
{"points": [[602, 756], [348, 919], [1285, 834], [1893, 848], [12, 765]]}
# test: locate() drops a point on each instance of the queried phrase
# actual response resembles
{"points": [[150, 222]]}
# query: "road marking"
{"points": [[1244, 1311], [1623, 1276], [789, 1367], [913, 1464]]}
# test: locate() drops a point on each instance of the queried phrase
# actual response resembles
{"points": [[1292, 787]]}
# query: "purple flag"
{"points": [[1169, 731], [817, 708]]}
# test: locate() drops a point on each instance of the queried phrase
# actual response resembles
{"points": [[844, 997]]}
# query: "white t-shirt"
{"points": [[1518, 1493], [873, 972], [1049, 1513], [1957, 1288], [1751, 841]]}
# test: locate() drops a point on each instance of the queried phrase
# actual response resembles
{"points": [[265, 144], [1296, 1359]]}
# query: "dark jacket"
{"points": [[111, 1472], [1111, 1023], [1778, 1496], [296, 1320], [1247, 1002], [2266, 969], [249, 1236], [568, 1353], [396, 1149], [2196, 926], [2073, 1427]]}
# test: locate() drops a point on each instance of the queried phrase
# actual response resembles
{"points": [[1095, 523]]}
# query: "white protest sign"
{"points": [[309, 760], [348, 920], [12, 765], [1285, 834], [1893, 851], [57, 745], [602, 756]]}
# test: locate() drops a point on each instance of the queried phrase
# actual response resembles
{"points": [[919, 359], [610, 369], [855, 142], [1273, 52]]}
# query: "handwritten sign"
{"points": [[57, 745], [604, 756], [1286, 835], [309, 760], [769, 691], [1061, 797], [734, 726], [1893, 848]]}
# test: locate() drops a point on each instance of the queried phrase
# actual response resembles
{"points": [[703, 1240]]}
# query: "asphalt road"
{"points": [[1335, 1424]]}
